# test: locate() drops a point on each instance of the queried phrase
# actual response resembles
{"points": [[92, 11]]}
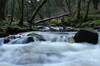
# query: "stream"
{"points": [[56, 49]]}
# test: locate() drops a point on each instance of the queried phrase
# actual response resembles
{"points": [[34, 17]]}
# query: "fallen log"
{"points": [[54, 17]]}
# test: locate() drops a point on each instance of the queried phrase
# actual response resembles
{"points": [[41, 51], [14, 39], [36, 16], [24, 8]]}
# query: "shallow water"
{"points": [[59, 52]]}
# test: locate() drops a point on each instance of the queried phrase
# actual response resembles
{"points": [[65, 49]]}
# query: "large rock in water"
{"points": [[86, 35], [39, 37], [30, 39], [6, 41]]}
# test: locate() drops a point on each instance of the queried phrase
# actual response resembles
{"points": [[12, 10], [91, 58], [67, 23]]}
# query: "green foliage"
{"points": [[91, 23], [68, 19], [55, 21], [14, 29], [3, 29], [4, 21], [94, 11], [18, 27], [88, 29], [95, 22], [77, 8], [3, 34], [94, 15], [86, 23]]}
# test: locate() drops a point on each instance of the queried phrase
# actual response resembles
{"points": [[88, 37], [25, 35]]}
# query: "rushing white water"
{"points": [[52, 52]]}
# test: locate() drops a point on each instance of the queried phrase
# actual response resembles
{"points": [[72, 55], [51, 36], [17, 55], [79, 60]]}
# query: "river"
{"points": [[57, 50]]}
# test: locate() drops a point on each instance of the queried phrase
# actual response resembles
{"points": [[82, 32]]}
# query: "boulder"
{"points": [[11, 37], [39, 37], [29, 39], [15, 29], [86, 35], [6, 41]]}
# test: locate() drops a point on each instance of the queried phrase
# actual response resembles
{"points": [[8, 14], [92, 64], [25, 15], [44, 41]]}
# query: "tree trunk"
{"points": [[95, 3], [68, 3], [2, 9], [40, 15], [85, 15], [13, 10], [78, 13], [42, 2], [22, 14]]}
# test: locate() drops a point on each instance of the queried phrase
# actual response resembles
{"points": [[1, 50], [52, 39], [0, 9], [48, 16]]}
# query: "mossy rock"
{"points": [[3, 34], [29, 39], [56, 21], [15, 29], [6, 41], [39, 37], [86, 35], [94, 11], [1, 29]]}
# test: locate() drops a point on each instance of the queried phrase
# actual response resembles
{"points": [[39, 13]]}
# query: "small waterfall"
{"points": [[25, 38]]}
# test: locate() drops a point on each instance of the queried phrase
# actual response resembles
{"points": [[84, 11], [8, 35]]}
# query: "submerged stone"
{"points": [[6, 41], [11, 37], [39, 37], [86, 35], [30, 39]]}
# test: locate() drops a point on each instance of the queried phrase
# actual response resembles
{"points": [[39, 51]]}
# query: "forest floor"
{"points": [[94, 22], [93, 19]]}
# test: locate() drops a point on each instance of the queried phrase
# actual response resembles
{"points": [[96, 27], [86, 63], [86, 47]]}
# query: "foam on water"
{"points": [[50, 54]]}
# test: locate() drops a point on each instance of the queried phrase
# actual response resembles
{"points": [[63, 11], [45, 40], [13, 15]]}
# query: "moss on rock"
{"points": [[15, 29], [86, 35], [3, 34]]}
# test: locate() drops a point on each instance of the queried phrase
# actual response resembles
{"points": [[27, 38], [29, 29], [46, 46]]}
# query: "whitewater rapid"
{"points": [[50, 53]]}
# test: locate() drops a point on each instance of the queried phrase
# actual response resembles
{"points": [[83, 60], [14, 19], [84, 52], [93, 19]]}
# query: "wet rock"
{"points": [[54, 39], [15, 29], [39, 37], [86, 35], [40, 27], [53, 29], [71, 29], [29, 39], [6, 41], [18, 36], [11, 37]]}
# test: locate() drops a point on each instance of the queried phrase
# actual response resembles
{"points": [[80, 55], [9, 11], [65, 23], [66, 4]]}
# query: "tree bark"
{"points": [[95, 4], [85, 15], [68, 5], [2, 9], [13, 10], [78, 13], [22, 14], [36, 11]]}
